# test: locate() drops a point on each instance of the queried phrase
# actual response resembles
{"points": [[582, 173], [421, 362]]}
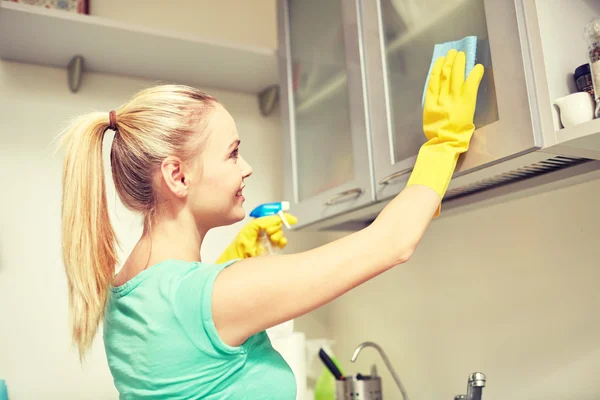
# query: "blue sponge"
{"points": [[468, 45]]}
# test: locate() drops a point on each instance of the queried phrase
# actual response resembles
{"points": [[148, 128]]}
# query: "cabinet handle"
{"points": [[394, 176], [343, 196]]}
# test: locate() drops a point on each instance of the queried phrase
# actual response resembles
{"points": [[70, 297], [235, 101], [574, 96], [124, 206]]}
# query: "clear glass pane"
{"points": [[411, 28], [320, 92]]}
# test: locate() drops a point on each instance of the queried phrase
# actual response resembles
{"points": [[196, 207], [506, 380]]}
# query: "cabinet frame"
{"points": [[359, 191]]}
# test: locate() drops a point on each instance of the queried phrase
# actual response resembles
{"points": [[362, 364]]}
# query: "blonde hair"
{"points": [[156, 123]]}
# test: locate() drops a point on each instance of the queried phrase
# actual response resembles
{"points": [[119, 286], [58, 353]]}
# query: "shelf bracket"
{"points": [[75, 73], [268, 99]]}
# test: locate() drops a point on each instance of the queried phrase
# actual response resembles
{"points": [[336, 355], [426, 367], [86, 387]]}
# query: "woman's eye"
{"points": [[235, 153]]}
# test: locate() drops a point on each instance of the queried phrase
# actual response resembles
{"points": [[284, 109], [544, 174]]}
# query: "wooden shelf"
{"points": [[36, 35]]}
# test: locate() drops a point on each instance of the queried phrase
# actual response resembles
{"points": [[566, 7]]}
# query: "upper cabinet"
{"points": [[353, 74], [327, 165], [399, 37]]}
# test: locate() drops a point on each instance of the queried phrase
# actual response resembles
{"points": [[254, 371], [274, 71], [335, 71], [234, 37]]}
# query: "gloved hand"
{"points": [[447, 121], [246, 242]]}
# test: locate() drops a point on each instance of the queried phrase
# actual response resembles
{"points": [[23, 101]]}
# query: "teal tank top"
{"points": [[161, 341]]}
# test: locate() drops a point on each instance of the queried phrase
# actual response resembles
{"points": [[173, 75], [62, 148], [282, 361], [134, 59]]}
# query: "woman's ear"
{"points": [[174, 175]]}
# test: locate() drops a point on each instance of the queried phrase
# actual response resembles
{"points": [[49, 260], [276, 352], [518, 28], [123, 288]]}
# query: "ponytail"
{"points": [[88, 239], [155, 123]]}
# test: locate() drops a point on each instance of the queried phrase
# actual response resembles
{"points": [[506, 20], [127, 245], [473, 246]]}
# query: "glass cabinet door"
{"points": [[399, 40], [323, 108]]}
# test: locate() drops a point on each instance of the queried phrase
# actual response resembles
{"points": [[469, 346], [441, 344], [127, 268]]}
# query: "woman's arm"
{"points": [[258, 293]]}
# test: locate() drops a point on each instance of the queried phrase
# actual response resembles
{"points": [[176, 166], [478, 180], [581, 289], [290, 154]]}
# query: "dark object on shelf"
{"points": [[583, 79]]}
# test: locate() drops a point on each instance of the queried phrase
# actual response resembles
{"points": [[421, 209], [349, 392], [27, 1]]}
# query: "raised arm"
{"points": [[258, 293]]}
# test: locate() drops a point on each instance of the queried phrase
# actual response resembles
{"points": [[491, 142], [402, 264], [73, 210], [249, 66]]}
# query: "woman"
{"points": [[178, 328]]}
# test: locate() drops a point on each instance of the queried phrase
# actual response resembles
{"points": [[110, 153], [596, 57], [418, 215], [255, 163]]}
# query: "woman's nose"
{"points": [[246, 168]]}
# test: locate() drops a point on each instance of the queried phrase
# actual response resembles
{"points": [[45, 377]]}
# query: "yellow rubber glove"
{"points": [[447, 121], [246, 243]]}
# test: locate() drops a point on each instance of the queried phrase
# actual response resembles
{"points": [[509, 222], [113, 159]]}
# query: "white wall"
{"points": [[509, 290], [237, 21]]}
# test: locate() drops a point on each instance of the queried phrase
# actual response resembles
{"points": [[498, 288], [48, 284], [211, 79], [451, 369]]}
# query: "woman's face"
{"points": [[215, 198]]}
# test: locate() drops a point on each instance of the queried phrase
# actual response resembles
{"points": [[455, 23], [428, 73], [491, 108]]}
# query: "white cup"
{"points": [[575, 108]]}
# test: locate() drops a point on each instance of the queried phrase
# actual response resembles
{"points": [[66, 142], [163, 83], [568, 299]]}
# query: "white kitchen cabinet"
{"points": [[399, 39], [327, 157], [388, 48]]}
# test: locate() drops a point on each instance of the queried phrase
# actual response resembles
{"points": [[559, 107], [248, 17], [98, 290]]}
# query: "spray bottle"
{"points": [[266, 209]]}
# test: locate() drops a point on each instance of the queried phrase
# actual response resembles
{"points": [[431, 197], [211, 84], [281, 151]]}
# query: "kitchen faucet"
{"points": [[475, 383], [385, 360], [475, 386]]}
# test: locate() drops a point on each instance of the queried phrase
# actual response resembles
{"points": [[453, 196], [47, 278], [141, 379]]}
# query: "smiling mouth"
{"points": [[239, 192]]}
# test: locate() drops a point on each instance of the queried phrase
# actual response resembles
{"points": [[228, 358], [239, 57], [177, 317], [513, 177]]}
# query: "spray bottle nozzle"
{"points": [[278, 208]]}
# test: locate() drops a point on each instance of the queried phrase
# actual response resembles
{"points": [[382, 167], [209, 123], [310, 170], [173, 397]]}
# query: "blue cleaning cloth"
{"points": [[468, 45]]}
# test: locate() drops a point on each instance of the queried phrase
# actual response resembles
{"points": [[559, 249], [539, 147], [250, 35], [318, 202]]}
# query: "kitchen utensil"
{"points": [[330, 365], [358, 387]]}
